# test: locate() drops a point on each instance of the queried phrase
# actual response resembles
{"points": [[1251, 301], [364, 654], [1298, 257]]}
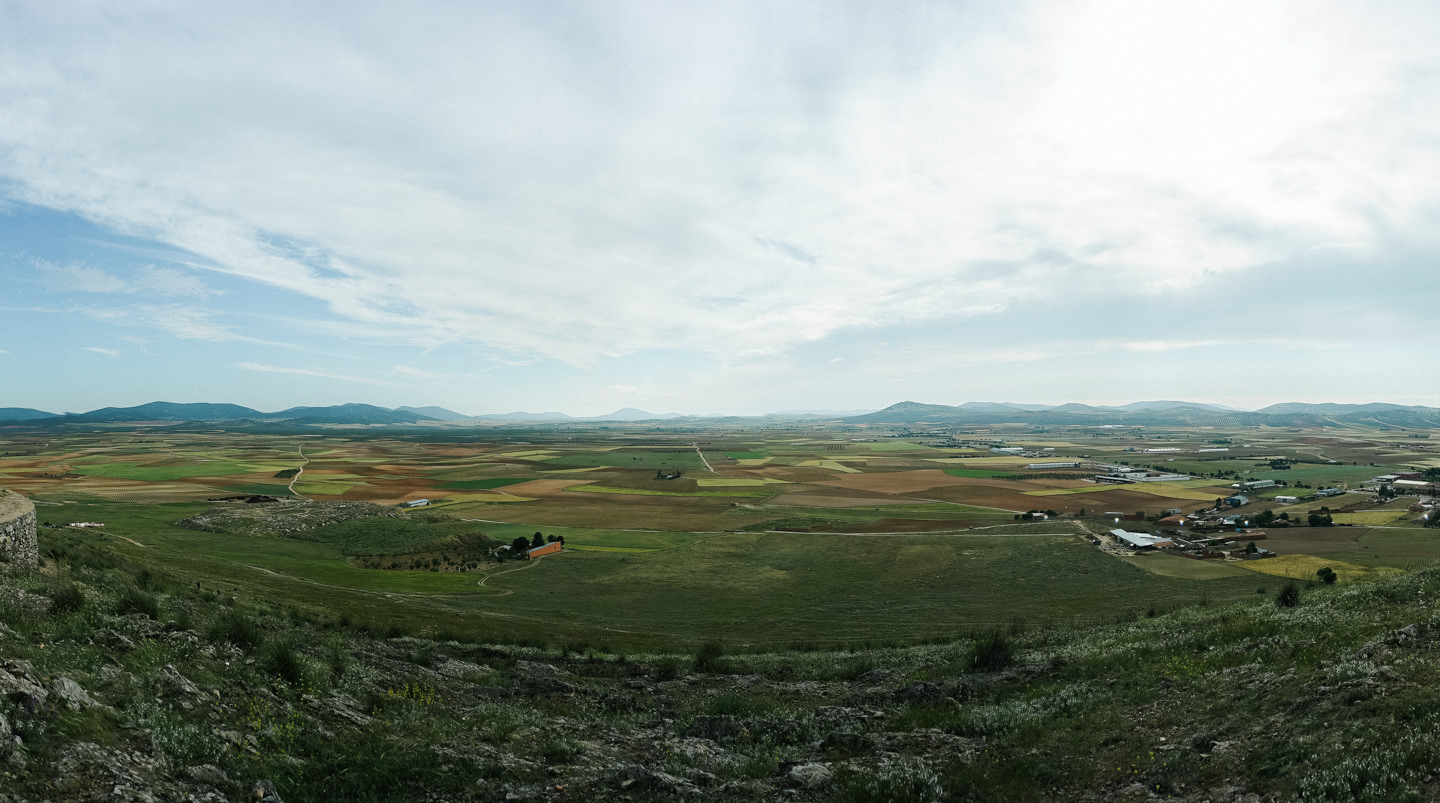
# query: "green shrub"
{"points": [[68, 598], [708, 657], [134, 600], [1289, 595], [237, 628], [281, 660], [993, 651], [667, 668]]}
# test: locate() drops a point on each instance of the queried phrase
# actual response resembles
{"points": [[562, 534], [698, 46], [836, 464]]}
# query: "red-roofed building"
{"points": [[549, 549]]}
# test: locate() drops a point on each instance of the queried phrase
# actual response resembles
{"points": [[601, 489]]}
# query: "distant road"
{"points": [[298, 472], [703, 460]]}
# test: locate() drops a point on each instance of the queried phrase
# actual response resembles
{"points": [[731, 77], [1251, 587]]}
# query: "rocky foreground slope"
{"points": [[123, 685]]}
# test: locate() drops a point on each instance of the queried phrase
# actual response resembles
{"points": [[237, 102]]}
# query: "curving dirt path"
{"points": [[703, 460], [505, 592], [301, 470]]}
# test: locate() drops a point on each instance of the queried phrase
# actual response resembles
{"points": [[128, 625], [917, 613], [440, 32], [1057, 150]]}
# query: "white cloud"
{"points": [[271, 369], [144, 279], [740, 181], [98, 350]]}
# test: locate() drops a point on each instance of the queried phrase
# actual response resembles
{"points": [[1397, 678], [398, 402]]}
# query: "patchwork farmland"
{"points": [[759, 537]]}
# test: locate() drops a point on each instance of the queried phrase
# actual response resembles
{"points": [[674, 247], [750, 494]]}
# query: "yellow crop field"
{"points": [[832, 465], [754, 461], [1303, 567], [1377, 518], [1162, 489], [984, 462]]}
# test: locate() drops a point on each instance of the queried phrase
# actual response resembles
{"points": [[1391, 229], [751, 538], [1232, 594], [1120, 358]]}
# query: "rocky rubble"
{"points": [[285, 517]]}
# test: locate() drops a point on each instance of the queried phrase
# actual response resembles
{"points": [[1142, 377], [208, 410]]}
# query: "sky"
{"points": [[728, 207]]}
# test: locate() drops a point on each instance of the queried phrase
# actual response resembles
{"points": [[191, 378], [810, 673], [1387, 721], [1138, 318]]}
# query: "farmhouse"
{"points": [[1286, 500], [415, 503], [1254, 485], [1007, 449], [1141, 540], [1073, 464], [548, 549], [1329, 492]]}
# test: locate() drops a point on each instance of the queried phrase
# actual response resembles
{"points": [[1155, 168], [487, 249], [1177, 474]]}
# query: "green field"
{"points": [[606, 489], [482, 485], [631, 459], [979, 473], [153, 473]]}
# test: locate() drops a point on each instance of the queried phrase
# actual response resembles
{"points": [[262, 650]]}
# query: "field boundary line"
{"points": [[612, 529], [933, 533], [961, 504]]}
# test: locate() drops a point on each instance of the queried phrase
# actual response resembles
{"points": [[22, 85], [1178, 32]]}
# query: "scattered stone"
{"points": [[263, 791], [809, 776], [112, 641], [71, 695], [347, 708], [537, 670], [89, 772], [716, 727], [175, 683], [453, 668], [208, 773], [18, 681]]}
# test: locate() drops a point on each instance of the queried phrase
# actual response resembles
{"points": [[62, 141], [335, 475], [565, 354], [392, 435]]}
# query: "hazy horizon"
{"points": [[736, 208], [711, 413]]}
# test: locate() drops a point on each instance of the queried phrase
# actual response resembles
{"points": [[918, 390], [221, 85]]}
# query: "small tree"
{"points": [[1327, 575], [537, 542], [519, 546]]}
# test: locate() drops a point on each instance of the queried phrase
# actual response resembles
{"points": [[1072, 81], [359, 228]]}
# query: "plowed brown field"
{"points": [[900, 482]]}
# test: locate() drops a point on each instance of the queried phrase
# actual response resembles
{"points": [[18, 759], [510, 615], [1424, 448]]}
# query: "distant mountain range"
{"points": [[336, 414], [1146, 413], [1153, 413]]}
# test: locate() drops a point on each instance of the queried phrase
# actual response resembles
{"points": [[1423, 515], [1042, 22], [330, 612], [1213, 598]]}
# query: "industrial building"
{"points": [[1141, 540], [1254, 485]]}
